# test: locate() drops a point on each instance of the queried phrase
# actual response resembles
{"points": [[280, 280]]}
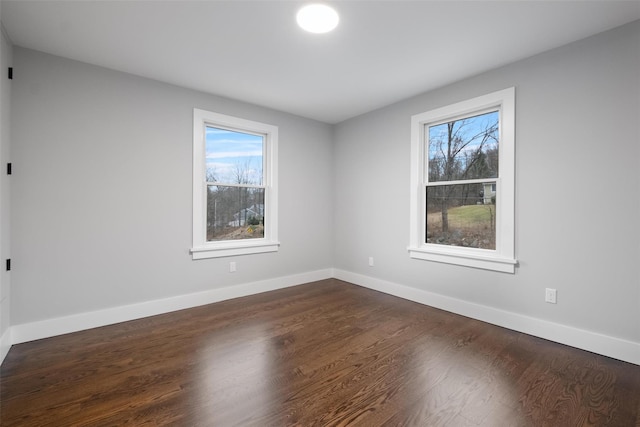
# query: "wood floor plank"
{"points": [[326, 353]]}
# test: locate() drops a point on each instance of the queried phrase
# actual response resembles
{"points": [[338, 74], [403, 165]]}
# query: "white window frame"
{"points": [[503, 257], [224, 248]]}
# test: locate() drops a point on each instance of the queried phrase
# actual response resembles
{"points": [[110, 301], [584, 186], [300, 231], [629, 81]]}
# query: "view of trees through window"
{"points": [[461, 184], [235, 185]]}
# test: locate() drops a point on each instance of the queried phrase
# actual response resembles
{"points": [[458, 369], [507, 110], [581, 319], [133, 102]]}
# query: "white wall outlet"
{"points": [[550, 295], [370, 261], [232, 267]]}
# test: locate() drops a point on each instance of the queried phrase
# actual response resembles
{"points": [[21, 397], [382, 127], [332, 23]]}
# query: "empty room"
{"points": [[290, 213]]}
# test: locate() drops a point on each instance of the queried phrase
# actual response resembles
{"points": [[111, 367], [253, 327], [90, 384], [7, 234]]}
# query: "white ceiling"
{"points": [[382, 51]]}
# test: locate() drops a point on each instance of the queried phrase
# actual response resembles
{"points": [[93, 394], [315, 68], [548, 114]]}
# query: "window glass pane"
{"points": [[462, 215], [234, 213], [464, 149], [234, 157]]}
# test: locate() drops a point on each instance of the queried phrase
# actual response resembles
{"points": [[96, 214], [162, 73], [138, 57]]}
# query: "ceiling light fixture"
{"points": [[317, 18]]}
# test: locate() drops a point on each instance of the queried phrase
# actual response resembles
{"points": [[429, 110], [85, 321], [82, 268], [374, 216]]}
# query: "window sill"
{"points": [[476, 258], [227, 249]]}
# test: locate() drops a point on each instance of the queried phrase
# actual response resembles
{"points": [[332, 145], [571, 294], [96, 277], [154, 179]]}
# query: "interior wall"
{"points": [[577, 188], [5, 276], [102, 191]]}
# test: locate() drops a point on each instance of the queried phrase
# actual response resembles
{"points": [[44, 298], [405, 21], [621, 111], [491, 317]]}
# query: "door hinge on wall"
{"points": [[10, 73], [8, 264], [8, 168]]}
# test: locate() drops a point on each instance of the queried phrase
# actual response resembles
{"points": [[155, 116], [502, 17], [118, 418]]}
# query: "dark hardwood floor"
{"points": [[321, 354]]}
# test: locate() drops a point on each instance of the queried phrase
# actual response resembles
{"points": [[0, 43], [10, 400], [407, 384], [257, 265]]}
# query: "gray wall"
{"points": [[577, 189], [5, 122], [102, 191]]}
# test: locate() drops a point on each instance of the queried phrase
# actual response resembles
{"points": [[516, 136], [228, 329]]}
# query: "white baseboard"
{"points": [[5, 344], [78, 322], [616, 348]]}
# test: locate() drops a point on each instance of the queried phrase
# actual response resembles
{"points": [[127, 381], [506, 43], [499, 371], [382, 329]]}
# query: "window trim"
{"points": [[214, 249], [503, 257]]}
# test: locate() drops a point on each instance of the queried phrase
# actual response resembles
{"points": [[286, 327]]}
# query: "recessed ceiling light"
{"points": [[317, 18]]}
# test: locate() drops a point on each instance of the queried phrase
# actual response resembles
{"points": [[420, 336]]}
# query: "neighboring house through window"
{"points": [[234, 186], [463, 183]]}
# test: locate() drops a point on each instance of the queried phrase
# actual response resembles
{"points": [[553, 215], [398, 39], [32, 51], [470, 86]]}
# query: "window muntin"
{"points": [[464, 154], [234, 186]]}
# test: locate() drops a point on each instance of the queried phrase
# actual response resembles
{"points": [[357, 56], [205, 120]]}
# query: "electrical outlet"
{"points": [[370, 261], [550, 295], [232, 267]]}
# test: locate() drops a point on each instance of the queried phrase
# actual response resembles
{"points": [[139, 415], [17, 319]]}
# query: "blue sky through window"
{"points": [[469, 129], [233, 157], [452, 155]]}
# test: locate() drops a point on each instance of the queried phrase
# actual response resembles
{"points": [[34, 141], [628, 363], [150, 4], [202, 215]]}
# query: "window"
{"points": [[234, 186], [463, 183]]}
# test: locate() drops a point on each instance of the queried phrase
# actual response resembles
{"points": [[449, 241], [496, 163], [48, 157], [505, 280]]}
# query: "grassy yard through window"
{"points": [[469, 226]]}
